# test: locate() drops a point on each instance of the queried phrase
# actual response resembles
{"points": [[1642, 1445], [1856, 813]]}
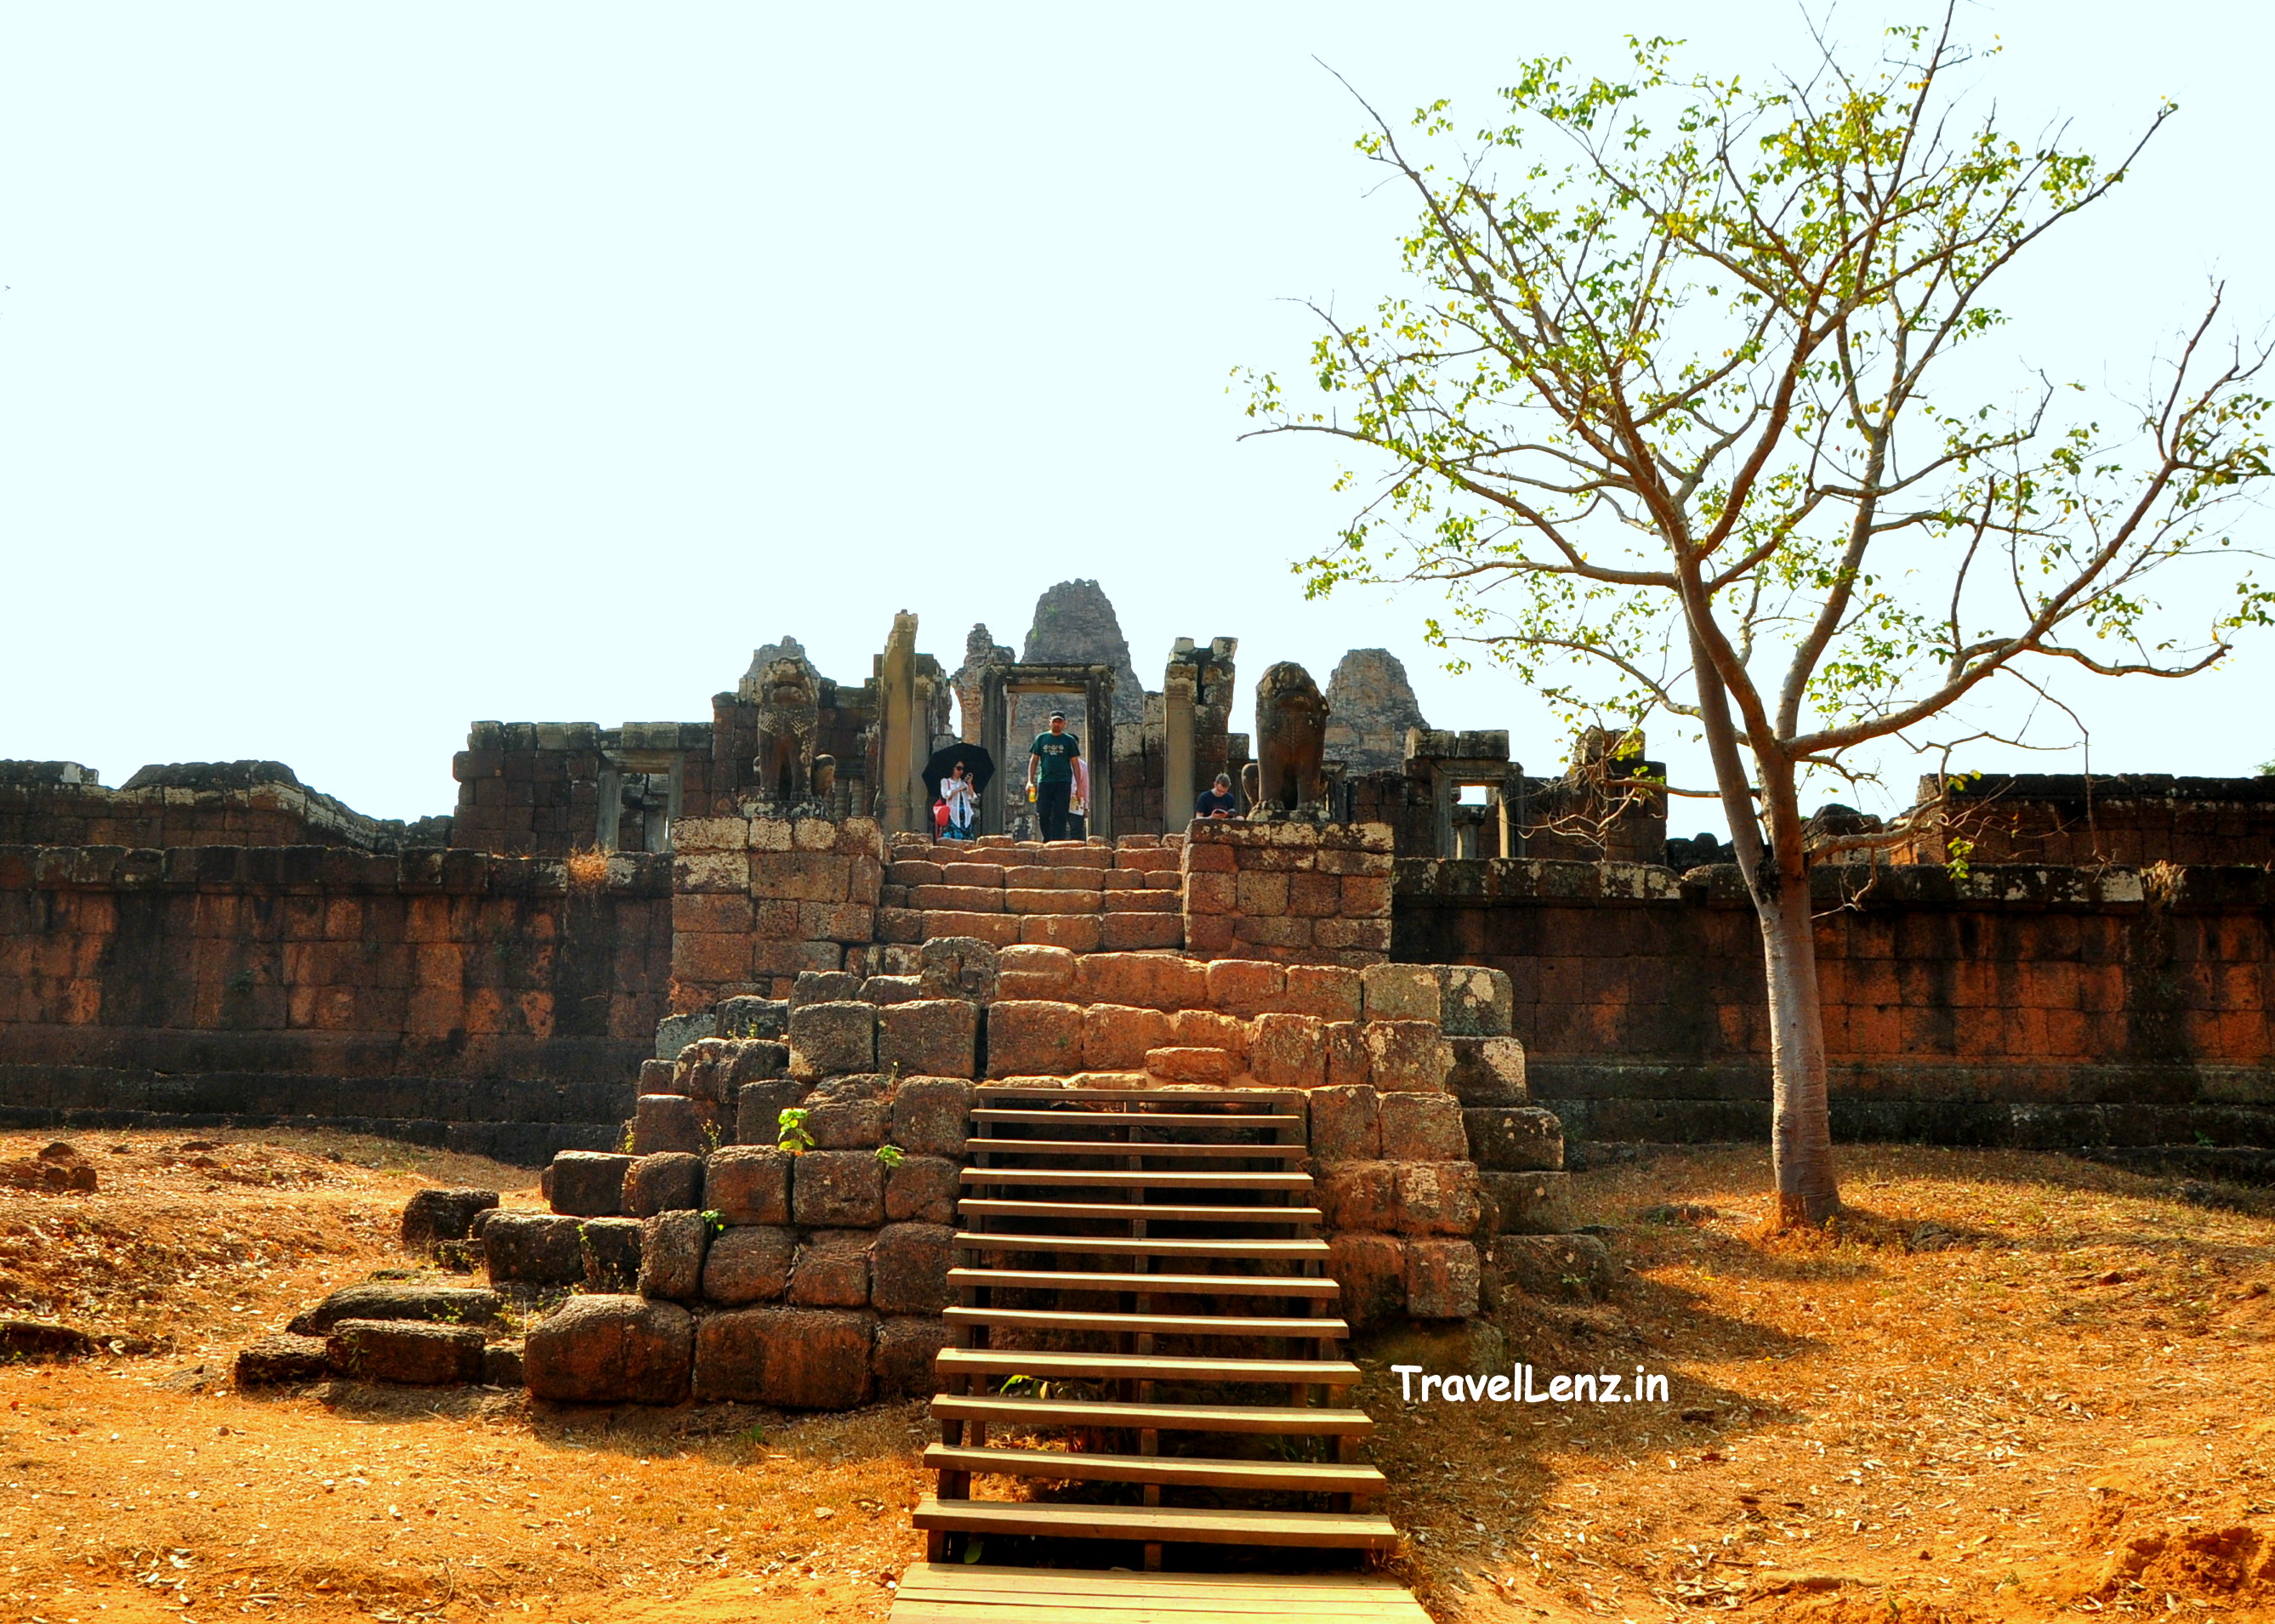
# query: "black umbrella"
{"points": [[978, 764]]}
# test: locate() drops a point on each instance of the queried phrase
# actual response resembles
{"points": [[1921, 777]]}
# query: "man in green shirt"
{"points": [[1050, 772]]}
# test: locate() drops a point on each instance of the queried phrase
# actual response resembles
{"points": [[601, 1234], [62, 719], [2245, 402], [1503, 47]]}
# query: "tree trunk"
{"points": [[1800, 1132]]}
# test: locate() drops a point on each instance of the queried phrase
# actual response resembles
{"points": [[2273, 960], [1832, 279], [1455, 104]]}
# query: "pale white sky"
{"points": [[366, 371]]}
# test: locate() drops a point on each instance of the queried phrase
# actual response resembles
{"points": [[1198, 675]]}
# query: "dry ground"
{"points": [[2018, 1387]]}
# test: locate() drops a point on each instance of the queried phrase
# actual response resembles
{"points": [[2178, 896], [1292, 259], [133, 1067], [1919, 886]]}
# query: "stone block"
{"points": [[957, 967], [461, 1305], [1551, 1266], [537, 1249], [1357, 1195], [848, 1113], [713, 872], [1033, 1039], [758, 1108], [1191, 1065], [1330, 992], [957, 899], [1436, 1198], [1527, 1203], [1474, 1002], [832, 1269], [674, 1032], [960, 873], [1246, 987], [912, 871], [1208, 936], [1206, 1029], [433, 1215], [667, 1123], [1149, 981], [795, 1358], [1115, 1037], [905, 1350], [749, 1263], [1076, 932], [611, 1251], [1423, 1128], [710, 833], [1406, 1054], [838, 1190], [771, 834], [903, 927], [1000, 930], [659, 1077], [1513, 1138], [1487, 1071], [1259, 894], [1399, 993], [672, 1245], [798, 876], [1040, 965], [766, 1018], [824, 986], [1315, 895], [1121, 932], [1363, 940], [932, 1037], [501, 1365], [833, 1038], [1346, 1124], [930, 1116], [743, 1059], [1442, 1280], [669, 1181], [1289, 1051], [1212, 895], [1207, 856], [749, 1184], [1346, 1059], [888, 990], [407, 1351], [1372, 1271], [922, 1189], [910, 1268], [282, 1360], [611, 1350]]}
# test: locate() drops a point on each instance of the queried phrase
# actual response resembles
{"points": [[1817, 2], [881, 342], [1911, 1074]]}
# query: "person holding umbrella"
{"points": [[961, 796], [955, 777]]}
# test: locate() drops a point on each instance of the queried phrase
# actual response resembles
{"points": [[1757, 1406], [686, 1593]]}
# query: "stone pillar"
{"points": [[995, 738], [1098, 716], [1178, 791], [902, 745]]}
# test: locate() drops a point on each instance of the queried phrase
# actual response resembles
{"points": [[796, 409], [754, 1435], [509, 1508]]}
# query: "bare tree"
{"points": [[1657, 418]]}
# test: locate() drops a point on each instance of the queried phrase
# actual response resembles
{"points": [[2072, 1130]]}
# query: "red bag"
{"points": [[940, 816]]}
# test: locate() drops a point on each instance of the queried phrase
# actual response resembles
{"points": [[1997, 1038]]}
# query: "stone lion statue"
{"points": [[1291, 738], [790, 715]]}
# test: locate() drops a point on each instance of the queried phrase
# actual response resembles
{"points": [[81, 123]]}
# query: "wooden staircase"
{"points": [[1143, 1317]]}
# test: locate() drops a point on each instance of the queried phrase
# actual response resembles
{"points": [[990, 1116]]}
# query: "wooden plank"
{"points": [[1125, 1246], [1145, 1367], [1319, 1328], [984, 1206], [1139, 1119], [1146, 1148], [978, 1607], [1317, 1530], [1278, 1476], [1158, 1285], [1111, 1178], [952, 1577], [1180, 1093], [1294, 1421]]}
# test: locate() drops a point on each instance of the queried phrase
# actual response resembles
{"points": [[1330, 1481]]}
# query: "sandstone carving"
{"points": [[1291, 729], [789, 714]]}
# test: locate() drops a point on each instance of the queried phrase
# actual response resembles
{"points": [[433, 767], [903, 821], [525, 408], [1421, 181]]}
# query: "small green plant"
{"points": [[711, 1133], [793, 1136], [891, 1155], [625, 1142], [1025, 1387], [1960, 851], [713, 1221]]}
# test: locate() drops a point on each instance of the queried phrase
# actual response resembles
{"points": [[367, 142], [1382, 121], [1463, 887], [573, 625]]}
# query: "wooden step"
{"points": [[973, 1206], [1164, 1524], [1185, 1094], [1133, 1178], [983, 1593], [1151, 1285], [1274, 1476], [1139, 1119], [987, 1362], [1321, 1328], [1146, 1148], [1284, 1420], [1125, 1246]]}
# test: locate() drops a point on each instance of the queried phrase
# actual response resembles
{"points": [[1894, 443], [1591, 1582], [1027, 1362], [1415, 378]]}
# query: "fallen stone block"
{"points": [[282, 1361], [931, 1116], [611, 1350], [674, 1032], [387, 1299], [612, 1253], [589, 1183], [1514, 1138], [909, 1268], [408, 1351], [537, 1249], [748, 1184], [672, 1245], [501, 1365], [793, 1358], [433, 1215], [832, 1270], [668, 1182], [749, 1264]]}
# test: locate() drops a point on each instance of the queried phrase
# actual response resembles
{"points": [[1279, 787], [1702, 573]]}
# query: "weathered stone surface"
{"points": [[408, 1351], [1442, 1280], [923, 1188], [1474, 1002], [891, 990], [831, 1269], [1552, 1266], [1406, 1054], [1115, 1037], [1437, 1197], [395, 1299], [1045, 973], [905, 1351], [672, 1245], [749, 1184], [793, 1357], [1487, 1071], [1371, 705], [1147, 980], [37, 1340], [501, 1365], [1347, 1062], [611, 1350], [282, 1360], [933, 1037], [589, 1183], [958, 967], [822, 987], [741, 1060], [831, 1040], [1075, 624], [1371, 1270], [930, 1114], [1345, 1123], [1289, 1051], [1357, 1195], [749, 1264], [1527, 1203], [1399, 993], [667, 1123], [535, 1248], [758, 1108], [1177, 1064], [1514, 1138], [1423, 1128], [838, 1190], [1028, 1038], [754, 1017], [908, 1269], [665, 1182], [674, 1032], [433, 1215], [612, 1253], [848, 1113]]}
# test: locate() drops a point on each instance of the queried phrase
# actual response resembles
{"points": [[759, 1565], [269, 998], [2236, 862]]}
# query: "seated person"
{"points": [[1219, 802]]}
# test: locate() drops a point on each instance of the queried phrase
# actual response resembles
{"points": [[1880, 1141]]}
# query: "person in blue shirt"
{"points": [[1050, 773]]}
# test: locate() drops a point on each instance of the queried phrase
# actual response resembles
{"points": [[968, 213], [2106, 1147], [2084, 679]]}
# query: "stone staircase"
{"points": [[1142, 1316]]}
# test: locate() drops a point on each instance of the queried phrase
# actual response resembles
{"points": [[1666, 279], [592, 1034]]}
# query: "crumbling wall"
{"points": [[191, 804], [2134, 819]]}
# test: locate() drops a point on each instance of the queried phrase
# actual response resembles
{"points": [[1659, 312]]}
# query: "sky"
{"points": [[366, 372]]}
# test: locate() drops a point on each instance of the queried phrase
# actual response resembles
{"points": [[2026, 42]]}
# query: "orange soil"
{"points": [[2056, 1402]]}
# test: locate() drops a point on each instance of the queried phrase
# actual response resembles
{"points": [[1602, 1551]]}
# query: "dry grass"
{"points": [[2016, 1387]]}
